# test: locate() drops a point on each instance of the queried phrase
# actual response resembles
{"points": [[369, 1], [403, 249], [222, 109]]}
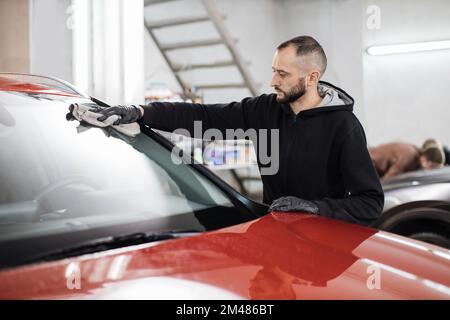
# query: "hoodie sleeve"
{"points": [[170, 116], [364, 199]]}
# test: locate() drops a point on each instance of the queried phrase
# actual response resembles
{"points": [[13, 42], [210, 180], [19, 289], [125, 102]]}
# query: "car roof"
{"points": [[37, 84], [420, 177]]}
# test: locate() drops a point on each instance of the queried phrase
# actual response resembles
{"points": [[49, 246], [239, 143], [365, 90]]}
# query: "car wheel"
{"points": [[430, 225], [433, 238]]}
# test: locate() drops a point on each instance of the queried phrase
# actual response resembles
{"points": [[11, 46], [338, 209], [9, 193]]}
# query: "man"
{"points": [[325, 167], [391, 159]]}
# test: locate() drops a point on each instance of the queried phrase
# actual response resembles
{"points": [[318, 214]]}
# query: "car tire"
{"points": [[432, 237], [430, 225]]}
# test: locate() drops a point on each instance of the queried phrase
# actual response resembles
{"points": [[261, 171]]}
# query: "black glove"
{"points": [[69, 115], [293, 204], [128, 114]]}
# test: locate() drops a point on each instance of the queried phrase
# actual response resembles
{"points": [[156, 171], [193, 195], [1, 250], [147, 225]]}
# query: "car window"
{"points": [[57, 176]]}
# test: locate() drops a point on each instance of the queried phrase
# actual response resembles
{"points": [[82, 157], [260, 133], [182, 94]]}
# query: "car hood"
{"points": [[279, 256]]}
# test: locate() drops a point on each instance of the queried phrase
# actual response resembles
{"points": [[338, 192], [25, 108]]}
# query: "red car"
{"points": [[90, 213]]}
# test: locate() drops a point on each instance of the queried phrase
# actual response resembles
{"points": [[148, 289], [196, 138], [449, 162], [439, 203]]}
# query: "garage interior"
{"points": [[136, 52], [97, 210]]}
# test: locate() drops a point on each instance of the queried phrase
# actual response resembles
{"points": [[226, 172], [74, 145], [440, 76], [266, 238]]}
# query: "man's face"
{"points": [[287, 79]]}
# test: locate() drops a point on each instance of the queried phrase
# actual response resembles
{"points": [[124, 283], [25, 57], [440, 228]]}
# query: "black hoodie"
{"points": [[323, 154]]}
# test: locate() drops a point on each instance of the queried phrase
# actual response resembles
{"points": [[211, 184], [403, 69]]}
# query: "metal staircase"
{"points": [[212, 15]]}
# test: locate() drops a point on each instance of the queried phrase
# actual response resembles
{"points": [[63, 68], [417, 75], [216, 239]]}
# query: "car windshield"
{"points": [[58, 177]]}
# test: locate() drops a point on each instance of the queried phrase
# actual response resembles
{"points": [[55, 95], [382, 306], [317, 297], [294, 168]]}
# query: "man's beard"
{"points": [[293, 94]]}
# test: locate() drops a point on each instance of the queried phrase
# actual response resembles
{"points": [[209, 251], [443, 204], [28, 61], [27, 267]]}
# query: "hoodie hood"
{"points": [[333, 99], [330, 96]]}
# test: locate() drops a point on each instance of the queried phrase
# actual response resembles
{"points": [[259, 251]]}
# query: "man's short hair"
{"points": [[433, 151], [306, 45]]}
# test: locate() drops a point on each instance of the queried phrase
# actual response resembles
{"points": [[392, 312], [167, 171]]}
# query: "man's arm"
{"points": [[406, 158], [365, 199], [170, 116], [394, 169]]}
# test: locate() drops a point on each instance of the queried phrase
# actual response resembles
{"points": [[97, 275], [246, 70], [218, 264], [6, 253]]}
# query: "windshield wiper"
{"points": [[109, 243]]}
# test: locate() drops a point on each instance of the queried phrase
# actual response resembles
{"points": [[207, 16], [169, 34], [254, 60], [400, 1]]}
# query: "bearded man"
{"points": [[324, 164]]}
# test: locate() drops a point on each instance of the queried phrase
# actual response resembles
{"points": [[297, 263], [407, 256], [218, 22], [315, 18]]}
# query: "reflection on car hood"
{"points": [[279, 256]]}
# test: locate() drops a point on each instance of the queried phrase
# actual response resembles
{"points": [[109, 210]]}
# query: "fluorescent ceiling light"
{"points": [[409, 47]]}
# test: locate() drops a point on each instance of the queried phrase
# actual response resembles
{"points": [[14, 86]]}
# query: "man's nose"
{"points": [[275, 81]]}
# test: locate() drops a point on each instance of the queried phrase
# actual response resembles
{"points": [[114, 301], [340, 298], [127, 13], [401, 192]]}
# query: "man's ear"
{"points": [[313, 78]]}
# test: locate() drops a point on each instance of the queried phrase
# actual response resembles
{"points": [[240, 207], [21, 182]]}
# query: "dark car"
{"points": [[417, 205]]}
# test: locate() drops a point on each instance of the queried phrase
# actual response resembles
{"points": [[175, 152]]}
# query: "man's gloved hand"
{"points": [[127, 114], [293, 204]]}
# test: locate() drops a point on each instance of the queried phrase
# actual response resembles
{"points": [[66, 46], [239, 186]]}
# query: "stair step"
{"points": [[176, 22], [181, 68], [190, 44], [150, 2], [220, 86]]}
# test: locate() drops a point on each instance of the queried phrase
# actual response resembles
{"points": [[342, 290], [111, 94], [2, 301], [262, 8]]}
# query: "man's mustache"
{"points": [[278, 89]]}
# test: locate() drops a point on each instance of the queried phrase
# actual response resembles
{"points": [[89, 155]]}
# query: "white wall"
{"points": [[117, 51], [51, 39], [95, 44], [256, 24], [108, 49], [397, 97], [406, 95], [336, 25]]}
